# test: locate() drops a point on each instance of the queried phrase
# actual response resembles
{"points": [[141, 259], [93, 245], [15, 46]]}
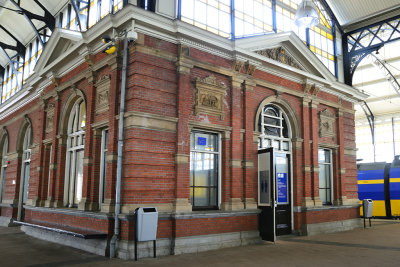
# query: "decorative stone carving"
{"points": [[279, 54], [311, 88], [102, 94], [49, 117], [249, 68], [237, 65], [210, 96], [184, 51], [326, 124]]}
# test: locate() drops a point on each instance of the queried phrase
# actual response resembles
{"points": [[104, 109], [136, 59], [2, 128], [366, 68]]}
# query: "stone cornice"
{"points": [[177, 32]]}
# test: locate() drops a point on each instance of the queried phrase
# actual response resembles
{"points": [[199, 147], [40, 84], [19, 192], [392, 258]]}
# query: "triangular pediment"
{"points": [[287, 51], [62, 43], [281, 55]]}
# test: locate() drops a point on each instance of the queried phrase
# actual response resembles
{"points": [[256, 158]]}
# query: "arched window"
{"points": [[274, 128], [26, 163], [74, 158], [3, 166]]}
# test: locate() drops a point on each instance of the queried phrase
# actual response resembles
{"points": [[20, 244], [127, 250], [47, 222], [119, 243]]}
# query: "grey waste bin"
{"points": [[146, 227], [368, 204], [147, 219]]}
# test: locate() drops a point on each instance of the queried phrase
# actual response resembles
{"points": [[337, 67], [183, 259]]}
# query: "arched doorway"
{"points": [[274, 172]]}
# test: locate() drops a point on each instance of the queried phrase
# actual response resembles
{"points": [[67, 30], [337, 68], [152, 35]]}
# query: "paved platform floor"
{"points": [[376, 246]]}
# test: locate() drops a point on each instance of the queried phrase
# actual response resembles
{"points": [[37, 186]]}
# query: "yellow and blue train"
{"points": [[380, 182]]}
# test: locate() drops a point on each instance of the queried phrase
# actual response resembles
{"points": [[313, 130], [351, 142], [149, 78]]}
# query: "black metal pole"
{"points": [[154, 248]]}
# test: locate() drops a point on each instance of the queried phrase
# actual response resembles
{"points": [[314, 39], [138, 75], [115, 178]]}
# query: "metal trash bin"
{"points": [[146, 223], [368, 206], [146, 226]]}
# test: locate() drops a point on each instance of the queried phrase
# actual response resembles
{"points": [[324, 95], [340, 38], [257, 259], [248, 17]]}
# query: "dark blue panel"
{"points": [[395, 173], [370, 175], [371, 191], [394, 190]]}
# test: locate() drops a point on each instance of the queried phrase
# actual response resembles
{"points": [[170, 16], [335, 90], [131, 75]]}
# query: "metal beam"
{"points": [[371, 121], [354, 50], [19, 47], [48, 19], [332, 15], [78, 6], [12, 64], [382, 66]]}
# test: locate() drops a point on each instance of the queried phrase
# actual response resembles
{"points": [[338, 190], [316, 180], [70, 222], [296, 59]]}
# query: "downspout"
{"points": [[120, 146]]}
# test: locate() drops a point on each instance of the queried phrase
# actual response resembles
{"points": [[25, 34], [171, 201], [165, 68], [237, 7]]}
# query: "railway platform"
{"points": [[375, 246]]}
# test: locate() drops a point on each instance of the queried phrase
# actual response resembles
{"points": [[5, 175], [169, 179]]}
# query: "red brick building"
{"points": [[232, 141]]}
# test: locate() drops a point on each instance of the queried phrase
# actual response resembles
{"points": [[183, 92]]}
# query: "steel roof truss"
{"points": [[48, 19], [354, 56], [19, 48], [78, 6]]}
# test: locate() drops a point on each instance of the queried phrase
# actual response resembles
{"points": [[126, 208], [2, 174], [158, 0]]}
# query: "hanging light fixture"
{"points": [[307, 14]]}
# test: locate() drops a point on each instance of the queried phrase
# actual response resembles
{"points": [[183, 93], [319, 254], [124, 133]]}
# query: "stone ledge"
{"points": [[94, 246], [71, 212], [324, 208], [214, 214], [330, 227]]}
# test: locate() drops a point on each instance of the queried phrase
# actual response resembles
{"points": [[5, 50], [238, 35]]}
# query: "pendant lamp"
{"points": [[307, 15]]}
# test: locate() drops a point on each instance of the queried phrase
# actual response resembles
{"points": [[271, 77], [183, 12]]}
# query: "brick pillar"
{"points": [[250, 148], [339, 189], [59, 195], [95, 189], [112, 146], [45, 173], [314, 152], [54, 159], [182, 157], [306, 128], [41, 183], [235, 171], [86, 202]]}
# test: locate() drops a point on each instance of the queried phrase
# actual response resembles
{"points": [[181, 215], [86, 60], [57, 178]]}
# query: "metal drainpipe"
{"points": [[120, 146]]}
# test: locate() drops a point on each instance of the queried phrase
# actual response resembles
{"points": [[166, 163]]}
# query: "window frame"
{"points": [[281, 139], [3, 168], [330, 164], [72, 151], [219, 153], [26, 162], [103, 165]]}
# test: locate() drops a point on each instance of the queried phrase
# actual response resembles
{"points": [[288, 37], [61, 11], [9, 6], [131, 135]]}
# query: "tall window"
{"points": [[26, 163], [325, 175], [239, 18], [74, 159], [204, 170], [210, 15], [3, 168], [103, 165], [50, 148], [274, 129], [253, 17]]}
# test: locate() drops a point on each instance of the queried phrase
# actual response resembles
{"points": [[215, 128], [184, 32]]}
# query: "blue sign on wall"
{"points": [[202, 141], [282, 188]]}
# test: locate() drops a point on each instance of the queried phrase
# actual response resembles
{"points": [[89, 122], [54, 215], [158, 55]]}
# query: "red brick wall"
{"points": [[149, 170]]}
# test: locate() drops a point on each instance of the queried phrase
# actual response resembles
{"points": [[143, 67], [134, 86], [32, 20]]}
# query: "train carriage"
{"points": [[380, 182]]}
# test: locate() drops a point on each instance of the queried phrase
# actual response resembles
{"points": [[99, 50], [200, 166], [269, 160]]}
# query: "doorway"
{"points": [[274, 194]]}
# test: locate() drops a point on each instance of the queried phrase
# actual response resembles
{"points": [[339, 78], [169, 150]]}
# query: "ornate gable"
{"points": [[281, 55]]}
